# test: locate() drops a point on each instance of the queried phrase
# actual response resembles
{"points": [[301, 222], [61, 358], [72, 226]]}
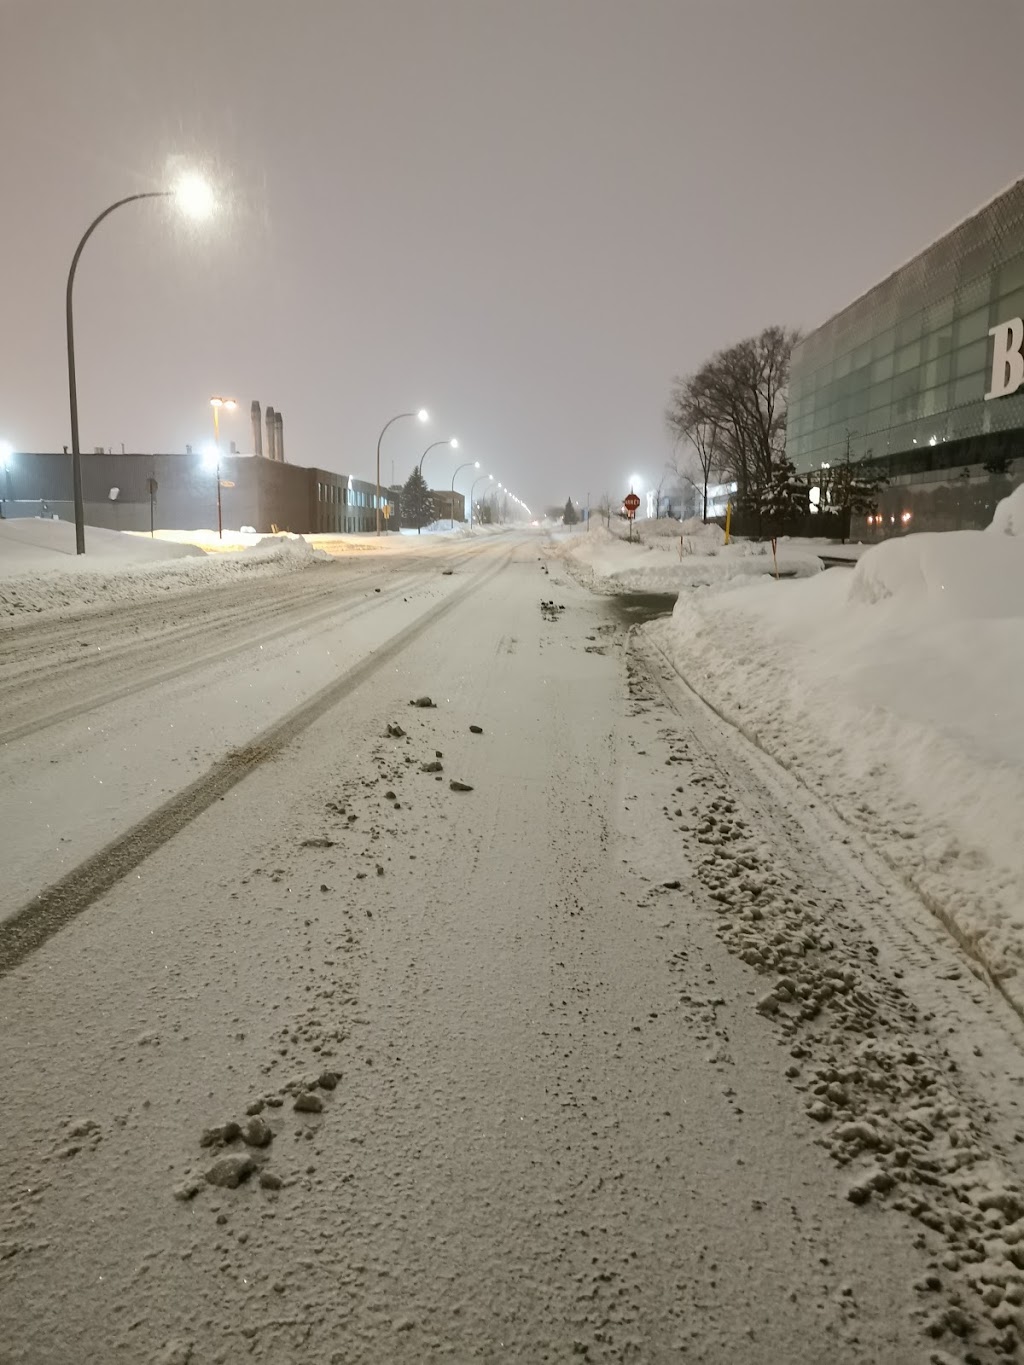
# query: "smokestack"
{"points": [[271, 434], [257, 428], [279, 436]]}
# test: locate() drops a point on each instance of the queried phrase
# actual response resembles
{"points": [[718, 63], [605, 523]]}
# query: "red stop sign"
{"points": [[631, 502]]}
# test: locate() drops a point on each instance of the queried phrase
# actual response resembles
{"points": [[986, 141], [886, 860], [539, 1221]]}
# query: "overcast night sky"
{"points": [[527, 215]]}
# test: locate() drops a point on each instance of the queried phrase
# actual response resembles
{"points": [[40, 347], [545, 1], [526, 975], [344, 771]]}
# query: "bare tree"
{"points": [[701, 436], [659, 489], [733, 412]]}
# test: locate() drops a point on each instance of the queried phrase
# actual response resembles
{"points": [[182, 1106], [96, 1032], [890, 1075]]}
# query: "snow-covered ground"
{"points": [[672, 556], [41, 573], [31, 544], [551, 1020], [610, 1051], [334, 542], [894, 691]]}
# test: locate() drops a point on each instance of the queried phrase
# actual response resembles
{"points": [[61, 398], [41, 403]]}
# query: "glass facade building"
{"points": [[899, 377]]}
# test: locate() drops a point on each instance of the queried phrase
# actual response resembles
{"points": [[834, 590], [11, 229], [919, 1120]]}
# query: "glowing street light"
{"points": [[452, 441], [229, 405], [6, 451], [195, 199], [421, 416]]}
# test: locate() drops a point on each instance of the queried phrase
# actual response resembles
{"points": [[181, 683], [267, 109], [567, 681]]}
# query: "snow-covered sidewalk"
{"points": [[894, 691], [40, 572], [671, 556]]}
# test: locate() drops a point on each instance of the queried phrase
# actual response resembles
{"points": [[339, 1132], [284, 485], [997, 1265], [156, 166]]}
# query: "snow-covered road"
{"points": [[627, 1052]]}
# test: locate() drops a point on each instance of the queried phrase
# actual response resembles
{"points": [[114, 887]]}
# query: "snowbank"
{"points": [[676, 556], [896, 692], [28, 544], [435, 528], [1008, 518], [954, 574], [121, 568]]}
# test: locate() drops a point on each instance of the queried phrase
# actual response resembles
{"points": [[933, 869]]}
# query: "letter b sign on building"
{"points": [[1007, 358]]}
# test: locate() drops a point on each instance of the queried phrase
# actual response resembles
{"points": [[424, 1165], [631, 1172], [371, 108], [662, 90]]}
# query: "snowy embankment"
{"points": [[672, 556], [895, 693], [40, 572]]}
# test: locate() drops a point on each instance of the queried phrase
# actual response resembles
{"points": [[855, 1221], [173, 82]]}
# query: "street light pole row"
{"points": [[470, 464], [196, 199]]}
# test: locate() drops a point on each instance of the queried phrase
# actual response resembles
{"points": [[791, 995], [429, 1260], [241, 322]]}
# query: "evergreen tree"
{"points": [[783, 497], [569, 515], [417, 504]]}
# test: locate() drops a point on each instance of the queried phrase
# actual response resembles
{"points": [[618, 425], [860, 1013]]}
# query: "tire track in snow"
{"points": [[971, 947], [123, 657], [46, 914], [904, 1120]]}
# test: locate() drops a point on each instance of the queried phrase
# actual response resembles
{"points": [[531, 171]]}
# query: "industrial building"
{"points": [[922, 378], [142, 492], [134, 492]]}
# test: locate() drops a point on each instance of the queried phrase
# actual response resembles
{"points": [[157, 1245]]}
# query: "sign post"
{"points": [[630, 503]]}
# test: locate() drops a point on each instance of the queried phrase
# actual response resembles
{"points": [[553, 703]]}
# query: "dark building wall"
{"points": [[962, 501], [448, 506], [264, 494], [185, 496]]}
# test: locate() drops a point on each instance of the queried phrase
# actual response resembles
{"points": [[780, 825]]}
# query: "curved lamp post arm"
{"points": [[397, 417], [472, 491], [76, 452], [469, 464], [430, 448]]}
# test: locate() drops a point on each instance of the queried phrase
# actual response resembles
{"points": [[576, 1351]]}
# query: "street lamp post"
{"points": [[217, 403], [472, 491], [422, 416], [211, 459], [6, 451], [196, 199], [470, 464], [452, 441]]}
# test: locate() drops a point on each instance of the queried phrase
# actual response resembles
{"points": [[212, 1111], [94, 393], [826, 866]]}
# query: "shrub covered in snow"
{"points": [[1008, 518]]}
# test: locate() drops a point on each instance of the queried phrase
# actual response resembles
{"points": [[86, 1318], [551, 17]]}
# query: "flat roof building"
{"points": [[132, 492], [923, 375]]}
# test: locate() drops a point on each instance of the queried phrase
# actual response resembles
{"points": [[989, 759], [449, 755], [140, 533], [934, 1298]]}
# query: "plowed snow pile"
{"points": [[673, 555], [896, 692], [40, 571]]}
